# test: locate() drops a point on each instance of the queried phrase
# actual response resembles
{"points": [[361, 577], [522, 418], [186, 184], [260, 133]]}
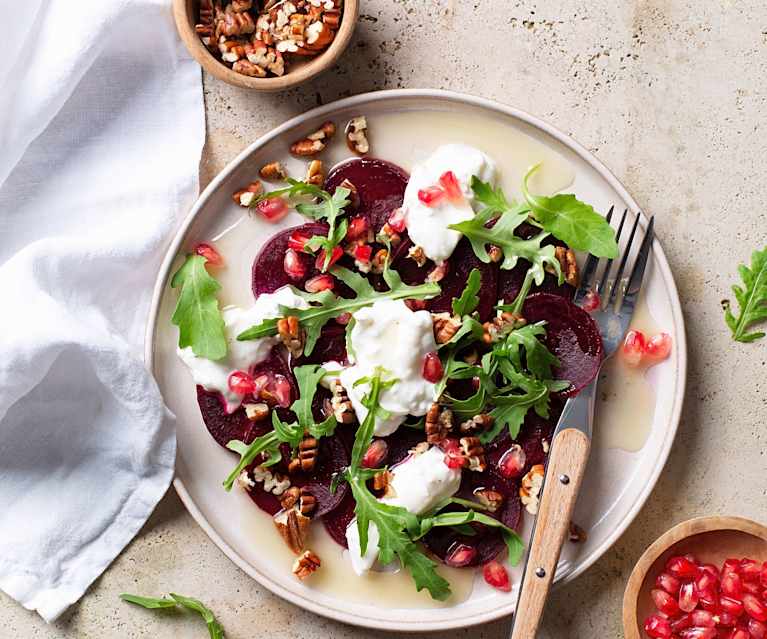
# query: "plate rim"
{"points": [[504, 110]]}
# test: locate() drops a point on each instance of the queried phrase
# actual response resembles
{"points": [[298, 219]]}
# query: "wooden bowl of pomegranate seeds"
{"points": [[705, 578], [267, 45]]}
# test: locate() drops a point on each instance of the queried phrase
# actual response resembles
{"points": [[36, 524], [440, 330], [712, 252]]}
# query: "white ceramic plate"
{"points": [[405, 126]]}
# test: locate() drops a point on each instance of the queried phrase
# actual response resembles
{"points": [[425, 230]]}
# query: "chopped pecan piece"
{"points": [[356, 135], [388, 234], [235, 23], [341, 405], [416, 254], [256, 412], [568, 264], [241, 5], [495, 253], [490, 499], [353, 197], [306, 564], [315, 142], [500, 325], [307, 455], [381, 481], [231, 50], [293, 527], [290, 497], [246, 67], [478, 423], [437, 274], [314, 173], [474, 453], [300, 498], [379, 260], [292, 335], [273, 171], [246, 197], [438, 423], [530, 488], [445, 326]]}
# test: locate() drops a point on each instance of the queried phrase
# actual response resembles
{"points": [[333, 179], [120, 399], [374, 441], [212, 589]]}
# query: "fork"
{"points": [[571, 440]]}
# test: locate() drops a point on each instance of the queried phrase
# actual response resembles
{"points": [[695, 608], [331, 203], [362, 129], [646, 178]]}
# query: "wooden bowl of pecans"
{"points": [[271, 45]]}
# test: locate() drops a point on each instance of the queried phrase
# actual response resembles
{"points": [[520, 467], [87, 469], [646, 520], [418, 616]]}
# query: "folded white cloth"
{"points": [[101, 130]]}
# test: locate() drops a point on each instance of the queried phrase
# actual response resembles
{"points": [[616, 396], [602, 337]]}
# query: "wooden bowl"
{"points": [[185, 14], [710, 539]]}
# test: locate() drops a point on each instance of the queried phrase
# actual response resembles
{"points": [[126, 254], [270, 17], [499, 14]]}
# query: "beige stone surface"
{"points": [[668, 93]]}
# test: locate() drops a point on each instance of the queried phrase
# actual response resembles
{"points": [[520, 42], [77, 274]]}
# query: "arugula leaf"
{"points": [[325, 207], [538, 358], [327, 306], [214, 627], [308, 378], [268, 443], [752, 299], [197, 315], [572, 221], [469, 300]]}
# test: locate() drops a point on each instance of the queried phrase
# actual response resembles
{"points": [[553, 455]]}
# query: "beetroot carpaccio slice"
{"points": [[225, 427], [571, 335], [268, 267], [380, 186], [460, 264], [338, 521]]}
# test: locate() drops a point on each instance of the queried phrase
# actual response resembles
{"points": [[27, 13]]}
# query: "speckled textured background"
{"points": [[670, 94]]}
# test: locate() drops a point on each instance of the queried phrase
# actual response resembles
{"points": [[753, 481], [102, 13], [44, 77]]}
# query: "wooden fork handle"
{"points": [[567, 462]]}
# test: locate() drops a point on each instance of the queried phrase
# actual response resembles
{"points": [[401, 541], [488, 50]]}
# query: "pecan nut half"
{"points": [[438, 423], [474, 453], [291, 334], [356, 135], [315, 174], [314, 143], [306, 564], [568, 264], [445, 326], [293, 528], [306, 459], [273, 171]]}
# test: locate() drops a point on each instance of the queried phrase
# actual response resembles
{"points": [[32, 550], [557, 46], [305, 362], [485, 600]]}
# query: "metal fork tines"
{"points": [[617, 295]]}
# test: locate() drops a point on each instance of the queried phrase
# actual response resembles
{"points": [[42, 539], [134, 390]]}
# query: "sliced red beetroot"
{"points": [[571, 335], [225, 428], [268, 267], [380, 186], [487, 541], [331, 346], [461, 263], [333, 458], [338, 521]]}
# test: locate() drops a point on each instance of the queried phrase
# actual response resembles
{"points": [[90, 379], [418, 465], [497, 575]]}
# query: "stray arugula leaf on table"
{"points": [[326, 306], [572, 221], [197, 314], [152, 603], [325, 207], [308, 378], [751, 298]]}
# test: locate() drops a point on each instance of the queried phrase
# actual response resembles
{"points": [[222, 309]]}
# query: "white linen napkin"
{"points": [[101, 130]]}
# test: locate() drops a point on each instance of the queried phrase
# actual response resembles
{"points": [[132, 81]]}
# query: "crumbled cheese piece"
{"points": [[272, 483], [244, 481]]}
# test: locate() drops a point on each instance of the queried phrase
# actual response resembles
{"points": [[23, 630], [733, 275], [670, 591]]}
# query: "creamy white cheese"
{"points": [[389, 335], [428, 226], [214, 376], [418, 484]]}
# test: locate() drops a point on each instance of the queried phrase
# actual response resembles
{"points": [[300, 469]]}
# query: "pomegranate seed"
{"points": [[665, 603], [512, 462], [658, 348], [375, 454], [261, 382], [754, 608], [210, 254], [363, 252], [681, 567], [460, 555], [688, 597], [591, 302], [732, 585], [416, 305], [731, 606], [495, 574], [297, 240], [272, 209], [711, 569], [668, 583], [633, 347], [657, 627], [453, 456], [763, 575], [757, 629], [750, 570], [344, 318], [431, 196], [705, 580], [690, 557], [698, 633], [752, 587], [708, 601], [319, 283], [281, 389], [740, 633], [450, 185], [358, 228], [702, 619], [726, 619], [334, 257], [432, 370], [731, 565], [293, 265], [241, 383], [397, 221], [685, 621]]}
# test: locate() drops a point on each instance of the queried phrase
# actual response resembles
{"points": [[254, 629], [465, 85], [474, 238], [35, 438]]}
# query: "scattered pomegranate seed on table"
{"points": [[210, 254], [701, 601]]}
